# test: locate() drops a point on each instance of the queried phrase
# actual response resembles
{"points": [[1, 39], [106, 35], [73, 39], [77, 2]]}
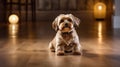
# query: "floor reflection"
{"points": [[99, 29], [13, 30], [100, 36]]}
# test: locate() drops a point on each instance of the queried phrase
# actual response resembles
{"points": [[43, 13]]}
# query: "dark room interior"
{"points": [[26, 31]]}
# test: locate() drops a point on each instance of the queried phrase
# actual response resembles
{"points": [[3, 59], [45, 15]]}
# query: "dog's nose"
{"points": [[66, 24]]}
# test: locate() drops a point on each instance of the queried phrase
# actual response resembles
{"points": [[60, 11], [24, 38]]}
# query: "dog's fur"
{"points": [[66, 39]]}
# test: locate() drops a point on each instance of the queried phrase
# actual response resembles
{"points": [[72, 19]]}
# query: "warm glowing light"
{"points": [[100, 11], [13, 19], [100, 7]]}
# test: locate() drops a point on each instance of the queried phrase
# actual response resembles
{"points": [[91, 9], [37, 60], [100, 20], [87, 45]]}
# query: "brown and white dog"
{"points": [[66, 39]]}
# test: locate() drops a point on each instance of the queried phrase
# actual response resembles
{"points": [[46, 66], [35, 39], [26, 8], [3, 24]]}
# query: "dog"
{"points": [[66, 39]]}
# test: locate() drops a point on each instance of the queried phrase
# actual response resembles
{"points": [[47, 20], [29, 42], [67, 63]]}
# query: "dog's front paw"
{"points": [[52, 50], [60, 53], [77, 53]]}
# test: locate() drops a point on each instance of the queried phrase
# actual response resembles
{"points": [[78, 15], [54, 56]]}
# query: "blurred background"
{"points": [[47, 10]]}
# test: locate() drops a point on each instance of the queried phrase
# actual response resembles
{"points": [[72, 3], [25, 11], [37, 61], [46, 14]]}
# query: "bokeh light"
{"points": [[13, 19]]}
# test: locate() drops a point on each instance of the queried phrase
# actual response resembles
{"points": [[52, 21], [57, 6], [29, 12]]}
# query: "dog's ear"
{"points": [[75, 20], [54, 24]]}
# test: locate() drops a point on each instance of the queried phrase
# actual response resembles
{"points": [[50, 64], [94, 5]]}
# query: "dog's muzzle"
{"points": [[67, 25]]}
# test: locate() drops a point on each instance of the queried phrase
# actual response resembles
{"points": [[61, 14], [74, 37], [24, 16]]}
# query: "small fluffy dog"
{"points": [[66, 39]]}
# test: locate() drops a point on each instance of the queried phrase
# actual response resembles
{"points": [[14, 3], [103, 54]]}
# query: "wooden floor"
{"points": [[26, 45]]}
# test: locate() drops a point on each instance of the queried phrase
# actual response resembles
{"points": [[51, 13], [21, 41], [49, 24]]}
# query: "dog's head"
{"points": [[65, 22]]}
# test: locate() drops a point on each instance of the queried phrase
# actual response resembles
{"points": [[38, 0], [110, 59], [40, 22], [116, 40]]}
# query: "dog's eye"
{"points": [[62, 20], [69, 20]]}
